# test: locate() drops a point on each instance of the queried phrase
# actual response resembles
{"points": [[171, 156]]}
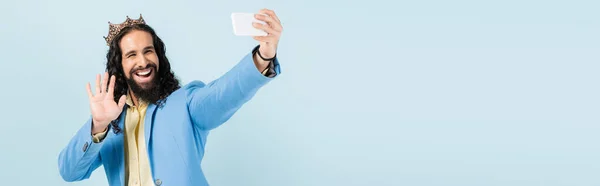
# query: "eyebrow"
{"points": [[145, 48]]}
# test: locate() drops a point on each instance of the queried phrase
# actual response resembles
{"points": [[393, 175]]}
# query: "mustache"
{"points": [[149, 65]]}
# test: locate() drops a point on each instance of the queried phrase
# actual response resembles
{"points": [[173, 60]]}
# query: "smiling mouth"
{"points": [[144, 73], [144, 76]]}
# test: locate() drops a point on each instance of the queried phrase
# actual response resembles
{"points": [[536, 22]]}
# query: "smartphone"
{"points": [[242, 25]]}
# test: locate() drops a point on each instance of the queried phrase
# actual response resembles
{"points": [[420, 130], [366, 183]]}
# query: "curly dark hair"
{"points": [[167, 81]]}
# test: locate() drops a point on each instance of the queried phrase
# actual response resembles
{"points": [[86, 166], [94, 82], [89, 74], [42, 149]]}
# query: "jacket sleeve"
{"points": [[81, 156], [212, 104]]}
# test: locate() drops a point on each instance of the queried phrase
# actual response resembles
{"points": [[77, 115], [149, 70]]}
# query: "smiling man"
{"points": [[159, 128]]}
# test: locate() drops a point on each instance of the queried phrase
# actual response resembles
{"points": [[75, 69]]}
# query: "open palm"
{"points": [[103, 106]]}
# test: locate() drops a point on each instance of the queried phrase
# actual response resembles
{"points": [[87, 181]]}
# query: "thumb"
{"points": [[122, 101]]}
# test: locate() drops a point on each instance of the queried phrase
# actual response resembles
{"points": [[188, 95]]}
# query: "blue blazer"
{"points": [[175, 133]]}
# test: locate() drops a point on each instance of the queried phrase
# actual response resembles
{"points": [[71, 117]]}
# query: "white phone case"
{"points": [[242, 25]]}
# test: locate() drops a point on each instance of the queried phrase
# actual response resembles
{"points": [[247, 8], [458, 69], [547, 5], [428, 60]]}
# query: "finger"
{"points": [[111, 87], [89, 91], [269, 20], [271, 13], [97, 84], [122, 101], [104, 82], [265, 38], [266, 28]]}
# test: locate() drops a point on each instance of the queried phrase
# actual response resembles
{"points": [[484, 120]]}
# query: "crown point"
{"points": [[114, 29]]}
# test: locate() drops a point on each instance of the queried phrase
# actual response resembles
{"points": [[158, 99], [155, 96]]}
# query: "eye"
{"points": [[149, 51], [131, 55]]}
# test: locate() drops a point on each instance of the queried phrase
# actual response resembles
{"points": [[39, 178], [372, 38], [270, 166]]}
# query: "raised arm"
{"points": [[213, 104]]}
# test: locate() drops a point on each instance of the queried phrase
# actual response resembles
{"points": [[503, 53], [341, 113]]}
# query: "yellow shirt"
{"points": [[137, 165]]}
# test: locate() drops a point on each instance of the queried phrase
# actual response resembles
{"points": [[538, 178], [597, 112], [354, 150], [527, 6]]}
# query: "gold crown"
{"points": [[114, 29]]}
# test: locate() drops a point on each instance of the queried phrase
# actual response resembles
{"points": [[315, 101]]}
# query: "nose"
{"points": [[143, 62]]}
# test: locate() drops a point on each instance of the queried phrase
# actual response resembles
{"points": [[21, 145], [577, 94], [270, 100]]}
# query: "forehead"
{"points": [[135, 40]]}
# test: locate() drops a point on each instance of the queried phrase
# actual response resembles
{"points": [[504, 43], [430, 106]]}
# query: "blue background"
{"points": [[459, 93]]}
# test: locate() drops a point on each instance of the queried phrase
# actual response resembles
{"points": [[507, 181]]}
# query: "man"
{"points": [[159, 129]]}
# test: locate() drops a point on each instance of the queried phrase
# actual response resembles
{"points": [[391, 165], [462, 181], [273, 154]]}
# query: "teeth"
{"points": [[143, 73]]}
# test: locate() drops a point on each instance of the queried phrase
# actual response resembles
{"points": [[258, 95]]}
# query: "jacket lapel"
{"points": [[119, 146], [148, 120]]}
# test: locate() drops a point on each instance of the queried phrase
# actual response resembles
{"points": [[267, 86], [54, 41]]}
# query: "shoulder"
{"points": [[193, 85], [194, 90]]}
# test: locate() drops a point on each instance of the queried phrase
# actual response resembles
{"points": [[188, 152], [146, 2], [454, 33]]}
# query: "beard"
{"points": [[149, 92]]}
